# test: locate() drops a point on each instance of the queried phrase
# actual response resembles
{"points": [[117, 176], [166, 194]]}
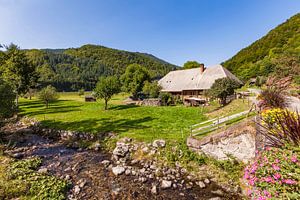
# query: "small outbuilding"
{"points": [[89, 99]]}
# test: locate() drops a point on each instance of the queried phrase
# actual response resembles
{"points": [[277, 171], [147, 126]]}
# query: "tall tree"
{"points": [[191, 64], [7, 97], [134, 79], [106, 88], [222, 88], [16, 70], [152, 90]]}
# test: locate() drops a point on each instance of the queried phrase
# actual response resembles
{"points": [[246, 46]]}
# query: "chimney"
{"points": [[202, 68]]}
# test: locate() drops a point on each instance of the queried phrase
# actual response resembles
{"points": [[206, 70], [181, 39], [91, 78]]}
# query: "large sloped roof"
{"points": [[192, 79]]}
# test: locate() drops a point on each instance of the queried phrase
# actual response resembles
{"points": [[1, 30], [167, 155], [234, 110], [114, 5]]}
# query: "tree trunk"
{"points": [[105, 104], [17, 103], [47, 104]]}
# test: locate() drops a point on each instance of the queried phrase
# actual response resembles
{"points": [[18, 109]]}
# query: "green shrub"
{"points": [[25, 182], [151, 89], [7, 100], [166, 98], [81, 92]]}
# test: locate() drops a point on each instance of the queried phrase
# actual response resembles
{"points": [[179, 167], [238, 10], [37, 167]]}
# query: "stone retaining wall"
{"points": [[237, 141], [151, 102]]}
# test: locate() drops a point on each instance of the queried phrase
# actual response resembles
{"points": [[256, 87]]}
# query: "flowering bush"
{"points": [[281, 126], [275, 174]]}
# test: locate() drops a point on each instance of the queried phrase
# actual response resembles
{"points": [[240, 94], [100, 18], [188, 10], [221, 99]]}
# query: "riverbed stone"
{"points": [[43, 170], [121, 150], [118, 170], [166, 184], [159, 143], [154, 189], [201, 184]]}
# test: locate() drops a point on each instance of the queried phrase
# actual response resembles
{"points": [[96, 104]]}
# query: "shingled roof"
{"points": [[193, 79]]}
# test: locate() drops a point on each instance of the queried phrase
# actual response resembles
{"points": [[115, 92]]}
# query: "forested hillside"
{"points": [[75, 68], [277, 52]]}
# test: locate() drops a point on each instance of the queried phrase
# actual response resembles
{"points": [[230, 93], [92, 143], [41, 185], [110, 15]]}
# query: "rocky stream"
{"points": [[97, 174]]}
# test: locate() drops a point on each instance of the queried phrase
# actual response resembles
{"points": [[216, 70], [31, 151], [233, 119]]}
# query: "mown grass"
{"points": [[140, 122], [236, 106]]}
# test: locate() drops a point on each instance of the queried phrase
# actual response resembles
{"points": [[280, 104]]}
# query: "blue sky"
{"points": [[209, 31]]}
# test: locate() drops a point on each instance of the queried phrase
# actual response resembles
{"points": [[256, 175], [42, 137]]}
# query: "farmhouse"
{"points": [[190, 83]]}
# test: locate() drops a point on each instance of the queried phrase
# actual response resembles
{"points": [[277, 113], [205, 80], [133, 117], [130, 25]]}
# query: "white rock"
{"points": [[118, 170], [159, 143], [105, 163], [166, 184], [121, 150], [76, 189], [201, 184], [207, 181], [43, 170], [154, 189], [127, 172]]}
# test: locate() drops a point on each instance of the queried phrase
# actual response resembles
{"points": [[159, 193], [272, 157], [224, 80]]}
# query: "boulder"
{"points": [[159, 143], [118, 170], [121, 150], [201, 184], [43, 170], [166, 184], [154, 189]]}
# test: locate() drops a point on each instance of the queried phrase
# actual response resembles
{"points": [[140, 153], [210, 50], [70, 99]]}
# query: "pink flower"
{"points": [[249, 192], [268, 179], [252, 181], [275, 167], [289, 181], [276, 176], [266, 159], [267, 194], [277, 161], [246, 175], [294, 159], [262, 198]]}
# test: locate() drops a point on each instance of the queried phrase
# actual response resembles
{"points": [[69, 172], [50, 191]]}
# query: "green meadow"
{"points": [[145, 123]]}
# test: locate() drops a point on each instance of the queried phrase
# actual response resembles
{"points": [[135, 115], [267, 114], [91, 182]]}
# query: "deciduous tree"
{"points": [[16, 70], [191, 64], [151, 89], [48, 95], [106, 88], [134, 78], [7, 97], [222, 88]]}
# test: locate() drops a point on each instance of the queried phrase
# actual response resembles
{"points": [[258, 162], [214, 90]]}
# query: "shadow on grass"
{"points": [[123, 107], [100, 125], [30, 108]]}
